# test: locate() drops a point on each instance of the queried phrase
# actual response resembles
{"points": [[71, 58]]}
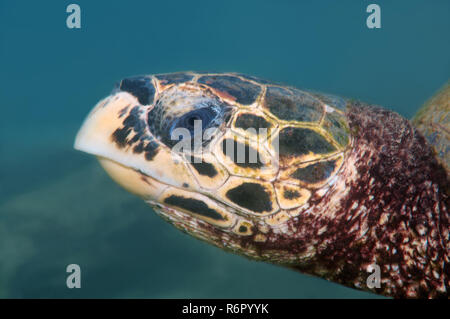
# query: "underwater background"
{"points": [[58, 207]]}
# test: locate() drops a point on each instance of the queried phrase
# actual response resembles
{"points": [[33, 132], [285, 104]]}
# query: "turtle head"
{"points": [[144, 138], [275, 174], [226, 158]]}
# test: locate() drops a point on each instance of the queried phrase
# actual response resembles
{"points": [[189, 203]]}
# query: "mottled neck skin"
{"points": [[394, 214]]}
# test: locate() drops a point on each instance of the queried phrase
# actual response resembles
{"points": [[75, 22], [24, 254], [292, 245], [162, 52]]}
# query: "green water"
{"points": [[58, 207]]}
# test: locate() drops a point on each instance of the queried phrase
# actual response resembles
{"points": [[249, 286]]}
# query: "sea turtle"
{"points": [[325, 185]]}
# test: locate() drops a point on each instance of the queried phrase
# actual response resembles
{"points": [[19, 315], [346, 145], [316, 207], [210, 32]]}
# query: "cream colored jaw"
{"points": [[131, 180], [154, 191]]}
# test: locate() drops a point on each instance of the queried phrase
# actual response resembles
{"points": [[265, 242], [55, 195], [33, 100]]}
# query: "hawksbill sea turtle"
{"points": [[334, 188]]}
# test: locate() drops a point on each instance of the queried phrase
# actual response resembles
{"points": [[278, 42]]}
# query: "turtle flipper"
{"points": [[433, 121]]}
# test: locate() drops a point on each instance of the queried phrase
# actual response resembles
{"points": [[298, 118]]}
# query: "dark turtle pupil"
{"points": [[204, 115], [191, 120]]}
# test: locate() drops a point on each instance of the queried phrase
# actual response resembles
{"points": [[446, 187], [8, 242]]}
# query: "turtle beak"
{"points": [[93, 138], [101, 120], [115, 131]]}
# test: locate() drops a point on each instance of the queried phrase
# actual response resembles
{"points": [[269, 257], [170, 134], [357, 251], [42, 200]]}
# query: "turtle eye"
{"points": [[176, 115], [188, 121]]}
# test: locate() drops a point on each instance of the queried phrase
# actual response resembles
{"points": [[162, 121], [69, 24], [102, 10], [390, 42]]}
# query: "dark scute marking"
{"points": [[335, 124], [151, 149], [242, 229], [139, 148], [293, 106], [301, 141], [247, 120], [141, 87], [119, 136], [252, 196], [316, 172], [193, 205], [123, 111], [204, 168], [132, 122], [174, 78], [244, 92], [250, 159], [135, 138], [290, 194], [156, 119]]}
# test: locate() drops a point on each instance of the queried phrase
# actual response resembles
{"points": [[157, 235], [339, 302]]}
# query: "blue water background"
{"points": [[58, 207]]}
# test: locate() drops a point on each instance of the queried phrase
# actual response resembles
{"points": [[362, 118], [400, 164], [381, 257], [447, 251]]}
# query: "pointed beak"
{"points": [[94, 137], [116, 132]]}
